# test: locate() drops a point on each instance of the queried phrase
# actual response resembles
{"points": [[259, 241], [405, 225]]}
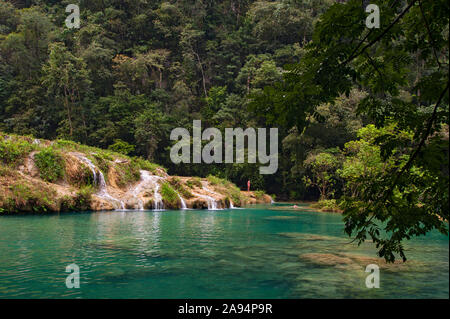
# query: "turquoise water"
{"points": [[241, 253]]}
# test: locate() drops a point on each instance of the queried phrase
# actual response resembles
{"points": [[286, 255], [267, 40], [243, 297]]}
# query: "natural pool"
{"points": [[257, 252]]}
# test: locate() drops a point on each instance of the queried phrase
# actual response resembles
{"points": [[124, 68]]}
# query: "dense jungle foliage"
{"points": [[362, 113]]}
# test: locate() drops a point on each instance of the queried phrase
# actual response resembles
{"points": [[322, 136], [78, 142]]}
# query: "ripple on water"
{"points": [[248, 253]]}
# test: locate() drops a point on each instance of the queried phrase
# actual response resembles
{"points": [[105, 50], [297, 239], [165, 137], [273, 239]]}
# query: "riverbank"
{"points": [[328, 206], [40, 176]]}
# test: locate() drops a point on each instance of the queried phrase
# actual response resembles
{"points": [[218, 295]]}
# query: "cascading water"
{"points": [[183, 203], [100, 179], [148, 181], [91, 167], [145, 178], [159, 205], [212, 203]]}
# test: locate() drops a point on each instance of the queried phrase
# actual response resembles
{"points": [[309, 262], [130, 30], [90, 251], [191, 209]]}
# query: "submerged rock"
{"points": [[280, 217], [98, 204], [325, 259], [114, 272], [350, 260], [312, 237]]}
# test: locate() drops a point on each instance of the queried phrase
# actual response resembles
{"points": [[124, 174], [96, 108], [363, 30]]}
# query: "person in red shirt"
{"points": [[248, 185]]}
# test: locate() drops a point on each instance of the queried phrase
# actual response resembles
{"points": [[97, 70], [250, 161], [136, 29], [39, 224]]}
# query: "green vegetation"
{"points": [[78, 147], [226, 187], [127, 172], [20, 197], [176, 183], [23, 198], [362, 113], [327, 205], [259, 194], [214, 180], [394, 80], [50, 164], [148, 166], [322, 166], [82, 176], [121, 147], [169, 196], [14, 149], [82, 200], [194, 182], [102, 162]]}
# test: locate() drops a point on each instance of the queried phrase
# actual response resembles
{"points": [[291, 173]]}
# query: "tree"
{"points": [[190, 38], [344, 54], [363, 159], [323, 167], [67, 80], [150, 128]]}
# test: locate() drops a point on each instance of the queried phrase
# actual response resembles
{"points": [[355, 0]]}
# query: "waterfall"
{"points": [[103, 191], [208, 190], [183, 203], [91, 167], [146, 178], [231, 204], [159, 205], [212, 203], [148, 181]]}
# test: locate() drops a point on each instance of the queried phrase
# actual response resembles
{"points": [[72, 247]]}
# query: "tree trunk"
{"points": [[203, 73]]}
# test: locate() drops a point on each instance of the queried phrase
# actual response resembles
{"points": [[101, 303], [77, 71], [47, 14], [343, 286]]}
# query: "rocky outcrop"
{"points": [[255, 198], [94, 179]]}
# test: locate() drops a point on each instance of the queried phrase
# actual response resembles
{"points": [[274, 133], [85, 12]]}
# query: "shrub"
{"points": [[169, 196], [50, 164], [194, 182], [226, 187], [146, 165], [213, 180], [121, 147], [80, 175], [7, 171], [83, 198], [128, 173], [235, 195], [102, 162], [327, 205], [176, 183], [259, 194], [12, 151], [25, 199]]}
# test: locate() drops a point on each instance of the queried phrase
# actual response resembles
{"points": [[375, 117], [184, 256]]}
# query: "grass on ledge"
{"points": [[169, 196], [227, 188]]}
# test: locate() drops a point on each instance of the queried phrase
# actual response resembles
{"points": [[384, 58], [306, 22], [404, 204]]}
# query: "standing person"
{"points": [[248, 185]]}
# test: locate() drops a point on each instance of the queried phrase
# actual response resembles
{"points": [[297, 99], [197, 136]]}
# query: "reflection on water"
{"points": [[246, 253]]}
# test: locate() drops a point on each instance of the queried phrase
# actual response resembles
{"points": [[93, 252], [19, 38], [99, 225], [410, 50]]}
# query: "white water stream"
{"points": [[102, 189], [183, 203], [148, 181]]}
